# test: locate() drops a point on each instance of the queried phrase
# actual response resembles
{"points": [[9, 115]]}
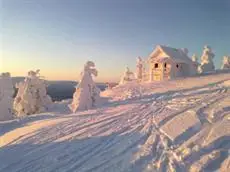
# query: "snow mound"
{"points": [[183, 124]]}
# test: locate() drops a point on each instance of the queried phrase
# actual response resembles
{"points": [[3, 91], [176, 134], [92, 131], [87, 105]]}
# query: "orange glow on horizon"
{"points": [[19, 66]]}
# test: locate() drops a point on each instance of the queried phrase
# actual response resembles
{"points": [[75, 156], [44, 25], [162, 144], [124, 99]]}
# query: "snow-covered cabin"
{"points": [[168, 63]]}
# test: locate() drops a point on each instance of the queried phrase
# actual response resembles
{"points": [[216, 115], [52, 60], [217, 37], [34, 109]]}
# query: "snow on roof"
{"points": [[178, 55], [161, 60]]}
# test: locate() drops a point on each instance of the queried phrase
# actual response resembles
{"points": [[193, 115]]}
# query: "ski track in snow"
{"points": [[117, 138]]}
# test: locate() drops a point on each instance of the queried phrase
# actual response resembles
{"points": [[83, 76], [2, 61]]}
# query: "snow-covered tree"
{"points": [[226, 62], [6, 97], [32, 95], [195, 62], [194, 58], [127, 76], [207, 64], [139, 69], [87, 95]]}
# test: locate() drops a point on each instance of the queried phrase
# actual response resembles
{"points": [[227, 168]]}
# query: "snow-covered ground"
{"points": [[181, 125]]}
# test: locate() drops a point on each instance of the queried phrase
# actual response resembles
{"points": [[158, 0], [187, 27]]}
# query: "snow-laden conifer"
{"points": [[32, 95], [87, 95], [226, 62], [207, 57]]}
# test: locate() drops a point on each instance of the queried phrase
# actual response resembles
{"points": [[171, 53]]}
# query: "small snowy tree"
{"points": [[207, 64], [127, 76], [139, 69], [226, 62], [6, 97], [195, 63], [32, 96], [194, 58], [87, 95]]}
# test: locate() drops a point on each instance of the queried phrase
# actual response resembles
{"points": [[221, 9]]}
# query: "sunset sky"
{"points": [[59, 36]]}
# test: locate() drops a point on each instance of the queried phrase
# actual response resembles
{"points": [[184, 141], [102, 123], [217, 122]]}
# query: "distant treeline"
{"points": [[59, 90], [64, 90]]}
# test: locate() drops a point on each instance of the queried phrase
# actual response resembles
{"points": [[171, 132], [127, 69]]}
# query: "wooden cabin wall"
{"points": [[156, 74]]}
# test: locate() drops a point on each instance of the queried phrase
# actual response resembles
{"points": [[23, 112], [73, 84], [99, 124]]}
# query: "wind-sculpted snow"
{"points": [[128, 134]]}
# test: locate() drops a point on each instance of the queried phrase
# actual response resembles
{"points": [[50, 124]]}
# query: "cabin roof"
{"points": [[175, 54]]}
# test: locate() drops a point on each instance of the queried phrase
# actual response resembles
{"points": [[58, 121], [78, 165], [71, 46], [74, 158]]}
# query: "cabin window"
{"points": [[165, 67], [156, 65], [177, 66]]}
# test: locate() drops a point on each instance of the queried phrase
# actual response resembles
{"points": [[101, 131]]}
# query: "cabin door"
{"points": [[166, 70], [156, 74]]}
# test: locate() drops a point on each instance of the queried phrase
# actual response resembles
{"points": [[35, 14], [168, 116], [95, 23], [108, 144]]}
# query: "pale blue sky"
{"points": [[58, 36]]}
